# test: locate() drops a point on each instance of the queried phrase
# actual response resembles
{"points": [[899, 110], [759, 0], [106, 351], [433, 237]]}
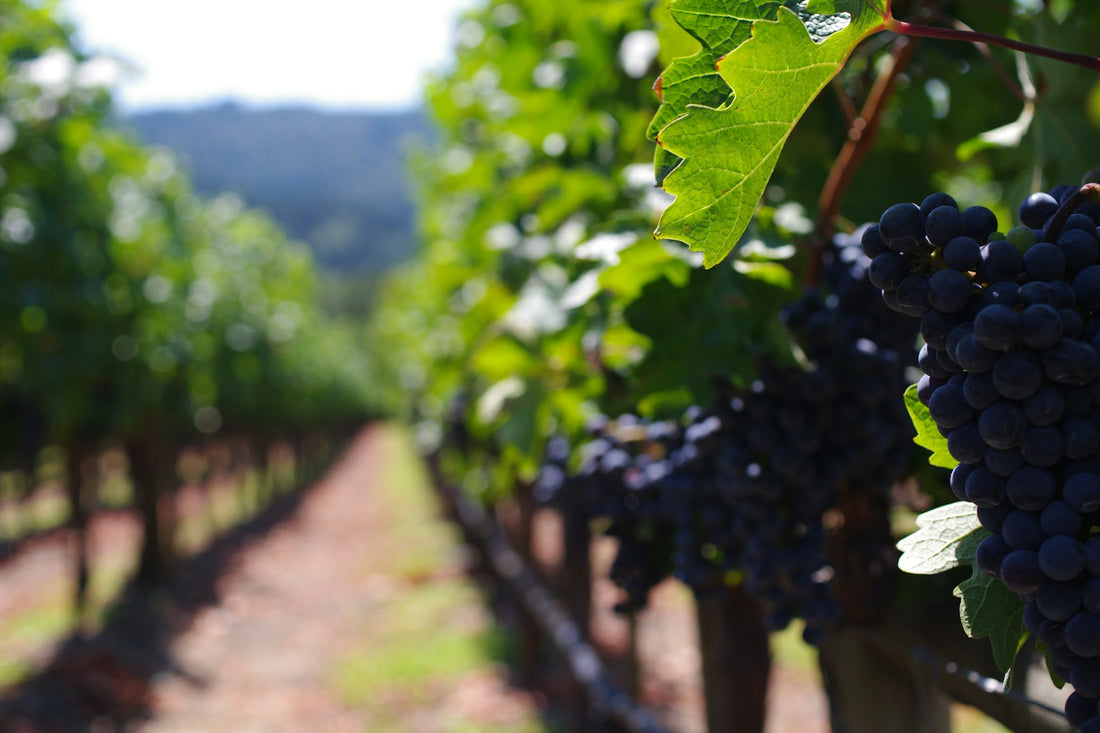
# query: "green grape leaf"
{"points": [[987, 608], [946, 538], [695, 79], [928, 435], [730, 151]]}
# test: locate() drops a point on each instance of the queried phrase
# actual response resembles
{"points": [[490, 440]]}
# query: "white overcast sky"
{"points": [[329, 53]]}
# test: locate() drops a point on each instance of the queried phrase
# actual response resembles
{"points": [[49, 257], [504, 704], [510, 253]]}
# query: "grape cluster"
{"points": [[740, 490], [1011, 361]]}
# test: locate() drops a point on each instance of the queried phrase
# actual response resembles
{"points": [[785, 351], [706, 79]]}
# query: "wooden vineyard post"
{"points": [[78, 483], [733, 642], [152, 465]]}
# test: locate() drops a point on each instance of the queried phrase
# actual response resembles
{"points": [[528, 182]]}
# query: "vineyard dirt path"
{"points": [[295, 599]]}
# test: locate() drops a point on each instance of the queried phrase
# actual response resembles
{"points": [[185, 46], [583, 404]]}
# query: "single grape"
{"points": [[1020, 571], [963, 254], [980, 222], [1036, 209], [1023, 530], [887, 270], [1002, 425], [1017, 375], [901, 227], [1031, 488], [997, 327], [1062, 557], [1040, 325], [1059, 600], [1044, 262], [1082, 634], [943, 224], [935, 200], [1059, 518], [949, 291], [1000, 261], [990, 554]]}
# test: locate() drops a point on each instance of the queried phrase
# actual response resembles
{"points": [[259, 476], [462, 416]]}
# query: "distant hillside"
{"points": [[333, 180]]}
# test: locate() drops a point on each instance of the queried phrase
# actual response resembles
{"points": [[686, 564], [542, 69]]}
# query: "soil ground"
{"points": [[278, 629]]}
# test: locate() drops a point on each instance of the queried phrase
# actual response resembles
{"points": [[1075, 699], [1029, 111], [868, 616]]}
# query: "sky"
{"points": [[338, 54]]}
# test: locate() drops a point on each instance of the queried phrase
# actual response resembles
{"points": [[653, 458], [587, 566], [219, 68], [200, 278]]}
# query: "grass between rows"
{"points": [[428, 635]]}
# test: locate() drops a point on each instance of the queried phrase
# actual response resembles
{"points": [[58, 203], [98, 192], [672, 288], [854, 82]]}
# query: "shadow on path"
{"points": [[102, 682]]}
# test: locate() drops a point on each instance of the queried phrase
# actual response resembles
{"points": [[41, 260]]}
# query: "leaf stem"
{"points": [[861, 135], [955, 34]]}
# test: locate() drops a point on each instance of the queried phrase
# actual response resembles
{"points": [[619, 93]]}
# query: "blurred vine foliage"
{"points": [[540, 296], [126, 302]]}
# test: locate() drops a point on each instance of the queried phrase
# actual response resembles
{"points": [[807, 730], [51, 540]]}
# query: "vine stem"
{"points": [[956, 34], [1087, 192], [861, 134]]}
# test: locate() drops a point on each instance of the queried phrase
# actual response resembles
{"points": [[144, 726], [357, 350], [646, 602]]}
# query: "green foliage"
{"points": [[127, 301], [946, 539], [538, 297], [730, 151], [928, 436]]}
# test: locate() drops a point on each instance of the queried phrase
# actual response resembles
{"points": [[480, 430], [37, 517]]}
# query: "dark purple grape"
{"points": [[1062, 557], [1086, 285], [948, 407], [1090, 593], [1020, 571], [1070, 362], [1044, 262], [872, 243], [901, 227], [935, 200], [972, 356], [966, 444], [1003, 462], [1081, 436], [1023, 530], [1046, 406], [1002, 425], [913, 295], [959, 475], [1031, 488], [926, 387], [949, 291], [1082, 492], [1017, 375], [997, 327], [1059, 518], [1036, 209], [1000, 261], [980, 222], [1059, 600], [1040, 325], [1085, 676], [1043, 446], [984, 488], [1079, 709], [887, 270], [979, 390], [993, 517], [943, 224], [934, 327], [963, 254], [990, 553], [1079, 248], [1083, 634]]}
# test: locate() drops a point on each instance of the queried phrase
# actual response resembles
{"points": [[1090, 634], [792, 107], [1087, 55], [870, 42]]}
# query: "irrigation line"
{"points": [[604, 698]]}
